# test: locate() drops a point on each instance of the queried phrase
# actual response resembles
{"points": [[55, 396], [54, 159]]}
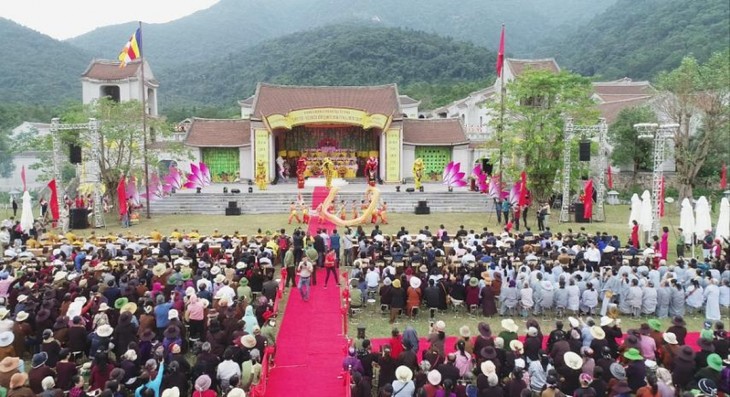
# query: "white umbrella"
{"points": [[703, 223], [26, 216], [687, 220], [646, 216], [723, 222], [635, 209]]}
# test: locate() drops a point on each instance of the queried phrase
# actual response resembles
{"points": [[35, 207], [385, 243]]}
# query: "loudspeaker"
{"points": [[233, 211], [233, 204], [78, 218], [579, 209], [423, 208], [410, 190], [74, 154], [236, 191], [584, 151]]}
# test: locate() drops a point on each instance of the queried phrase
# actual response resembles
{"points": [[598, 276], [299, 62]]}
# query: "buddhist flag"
{"points": [[588, 200], [723, 176], [53, 202], [610, 178], [22, 178], [132, 50], [500, 54]]}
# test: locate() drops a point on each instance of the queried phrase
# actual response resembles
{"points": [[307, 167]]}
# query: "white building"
{"points": [[104, 78], [26, 159]]}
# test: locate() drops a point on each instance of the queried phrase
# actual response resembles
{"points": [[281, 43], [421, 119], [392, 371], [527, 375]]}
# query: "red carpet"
{"points": [[310, 345], [450, 345], [315, 224]]}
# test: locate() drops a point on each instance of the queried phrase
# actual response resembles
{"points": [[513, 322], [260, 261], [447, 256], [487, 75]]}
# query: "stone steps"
{"points": [[272, 203]]}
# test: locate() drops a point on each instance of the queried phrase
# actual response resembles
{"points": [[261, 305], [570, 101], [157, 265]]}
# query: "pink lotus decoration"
{"points": [[131, 191], [173, 180], [199, 176], [452, 175], [156, 188], [481, 178], [514, 194]]}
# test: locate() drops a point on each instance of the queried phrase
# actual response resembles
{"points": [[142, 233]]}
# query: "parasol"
{"points": [[687, 220], [646, 217], [26, 216], [635, 209], [703, 223], [723, 222]]}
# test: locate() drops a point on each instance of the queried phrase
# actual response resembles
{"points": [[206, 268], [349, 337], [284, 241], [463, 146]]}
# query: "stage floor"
{"points": [[357, 185]]}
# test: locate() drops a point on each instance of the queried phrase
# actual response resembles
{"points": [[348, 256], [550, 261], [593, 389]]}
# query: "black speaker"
{"points": [[410, 190], [233, 204], [579, 209], [584, 151], [236, 191], [423, 208], [233, 211], [74, 154], [78, 218]]}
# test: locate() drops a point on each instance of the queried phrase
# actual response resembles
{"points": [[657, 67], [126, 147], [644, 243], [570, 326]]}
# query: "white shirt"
{"points": [[593, 255], [228, 369], [372, 278]]}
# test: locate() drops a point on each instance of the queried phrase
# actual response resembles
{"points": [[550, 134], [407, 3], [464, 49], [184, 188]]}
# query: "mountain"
{"points": [[332, 55], [231, 25], [36, 68], [641, 38]]}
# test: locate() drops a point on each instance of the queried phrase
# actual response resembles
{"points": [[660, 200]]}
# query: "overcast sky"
{"points": [[62, 19]]}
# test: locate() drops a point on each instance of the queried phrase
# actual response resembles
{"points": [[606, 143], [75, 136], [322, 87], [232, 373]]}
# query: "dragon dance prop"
{"points": [[371, 171], [301, 169], [328, 169], [418, 168], [366, 216]]}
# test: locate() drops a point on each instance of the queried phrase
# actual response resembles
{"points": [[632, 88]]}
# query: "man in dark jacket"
{"points": [[448, 369], [431, 294]]}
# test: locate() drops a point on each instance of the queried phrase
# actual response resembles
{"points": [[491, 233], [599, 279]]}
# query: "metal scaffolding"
{"points": [[600, 131]]}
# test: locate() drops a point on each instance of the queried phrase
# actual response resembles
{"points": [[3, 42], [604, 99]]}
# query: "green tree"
{"points": [[697, 97], [627, 147], [537, 104]]}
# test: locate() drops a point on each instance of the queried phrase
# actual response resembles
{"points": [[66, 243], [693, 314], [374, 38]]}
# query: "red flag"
{"points": [[54, 199], [122, 196], [500, 54], [661, 198], [723, 177], [22, 177], [610, 178], [523, 190], [588, 200]]}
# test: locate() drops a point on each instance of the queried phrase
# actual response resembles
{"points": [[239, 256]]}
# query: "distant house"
{"points": [[27, 159]]}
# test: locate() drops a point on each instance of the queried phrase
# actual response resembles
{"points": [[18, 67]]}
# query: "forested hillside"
{"points": [[37, 69], [231, 25], [334, 55], [642, 38]]}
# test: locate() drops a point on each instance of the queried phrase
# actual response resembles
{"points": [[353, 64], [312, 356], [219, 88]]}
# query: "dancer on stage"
{"points": [[355, 213], [305, 214], [343, 210], [293, 213], [382, 213]]}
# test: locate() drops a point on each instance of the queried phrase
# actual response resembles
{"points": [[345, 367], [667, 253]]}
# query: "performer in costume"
{"points": [[305, 214], [382, 213], [280, 168], [355, 213], [418, 172], [343, 210], [301, 169], [328, 170], [371, 171], [293, 213], [261, 181]]}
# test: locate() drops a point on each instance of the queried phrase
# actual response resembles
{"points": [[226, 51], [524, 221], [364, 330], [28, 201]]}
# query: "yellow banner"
{"points": [[327, 115], [261, 147], [392, 155]]}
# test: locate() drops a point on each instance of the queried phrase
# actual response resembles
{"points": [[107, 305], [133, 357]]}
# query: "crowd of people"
{"points": [[127, 312]]}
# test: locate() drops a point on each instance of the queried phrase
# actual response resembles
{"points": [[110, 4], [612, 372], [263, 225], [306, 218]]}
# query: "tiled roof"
{"points": [[438, 132], [278, 99], [622, 89], [406, 100], [247, 102], [109, 70], [219, 133], [517, 66], [610, 110]]}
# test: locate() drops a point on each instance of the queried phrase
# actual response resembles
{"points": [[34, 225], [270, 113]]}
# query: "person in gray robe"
{"points": [[664, 296], [676, 304], [649, 299], [561, 298], [633, 298], [573, 296]]}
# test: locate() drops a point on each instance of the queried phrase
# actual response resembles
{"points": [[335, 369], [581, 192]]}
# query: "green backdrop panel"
{"points": [[224, 163], [435, 159]]}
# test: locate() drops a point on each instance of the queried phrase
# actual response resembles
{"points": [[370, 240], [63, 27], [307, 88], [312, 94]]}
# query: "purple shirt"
{"points": [[647, 345]]}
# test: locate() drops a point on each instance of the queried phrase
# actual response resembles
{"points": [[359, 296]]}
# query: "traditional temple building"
{"points": [[346, 124]]}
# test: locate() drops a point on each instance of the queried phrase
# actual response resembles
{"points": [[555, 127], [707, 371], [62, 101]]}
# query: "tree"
{"points": [[627, 147], [697, 97], [537, 104]]}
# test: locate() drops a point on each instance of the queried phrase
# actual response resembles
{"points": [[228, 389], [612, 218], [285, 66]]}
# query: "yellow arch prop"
{"points": [[364, 217]]}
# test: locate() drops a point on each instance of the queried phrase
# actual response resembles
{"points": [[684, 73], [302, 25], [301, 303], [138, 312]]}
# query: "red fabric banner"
{"points": [[122, 196], [53, 202], [500, 54], [588, 200], [610, 178], [661, 198], [22, 177], [723, 176]]}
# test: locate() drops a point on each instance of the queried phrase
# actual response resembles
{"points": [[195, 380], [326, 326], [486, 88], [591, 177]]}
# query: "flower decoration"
{"points": [[453, 176]]}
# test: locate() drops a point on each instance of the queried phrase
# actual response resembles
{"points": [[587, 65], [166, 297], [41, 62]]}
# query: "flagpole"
{"points": [[500, 131], [144, 126]]}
